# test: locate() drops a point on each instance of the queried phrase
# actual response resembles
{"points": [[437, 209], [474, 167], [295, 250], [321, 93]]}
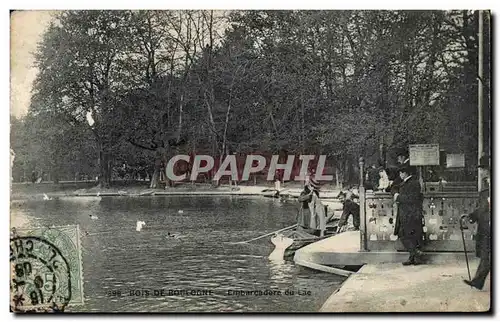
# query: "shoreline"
{"points": [[39, 191], [36, 193]]}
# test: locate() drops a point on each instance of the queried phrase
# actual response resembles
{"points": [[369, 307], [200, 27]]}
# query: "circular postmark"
{"points": [[40, 275]]}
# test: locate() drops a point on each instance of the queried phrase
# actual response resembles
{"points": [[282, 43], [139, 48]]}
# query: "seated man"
{"points": [[350, 208]]}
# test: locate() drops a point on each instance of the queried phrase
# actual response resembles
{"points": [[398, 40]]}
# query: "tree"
{"points": [[50, 146], [343, 84], [80, 73]]}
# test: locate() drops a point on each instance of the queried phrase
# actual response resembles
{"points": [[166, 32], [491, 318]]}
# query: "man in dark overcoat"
{"points": [[482, 216], [402, 161], [408, 225]]}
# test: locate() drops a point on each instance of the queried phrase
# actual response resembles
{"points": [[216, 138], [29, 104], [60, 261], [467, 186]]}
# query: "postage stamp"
{"points": [[46, 269]]}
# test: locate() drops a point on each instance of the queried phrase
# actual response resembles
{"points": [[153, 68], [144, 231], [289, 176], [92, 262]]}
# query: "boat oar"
{"points": [[269, 234]]}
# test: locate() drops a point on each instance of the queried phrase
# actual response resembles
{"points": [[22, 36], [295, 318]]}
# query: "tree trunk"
{"points": [[108, 170], [181, 110], [346, 178], [155, 179], [104, 177], [337, 177], [55, 177]]}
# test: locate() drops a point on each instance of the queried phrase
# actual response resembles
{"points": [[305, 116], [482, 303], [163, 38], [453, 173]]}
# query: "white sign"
{"points": [[455, 160], [424, 154]]}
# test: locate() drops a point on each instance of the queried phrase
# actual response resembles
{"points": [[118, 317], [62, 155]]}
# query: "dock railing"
{"points": [[442, 210]]}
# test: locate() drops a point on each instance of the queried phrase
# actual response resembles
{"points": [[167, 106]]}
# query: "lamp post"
{"points": [[480, 148]]}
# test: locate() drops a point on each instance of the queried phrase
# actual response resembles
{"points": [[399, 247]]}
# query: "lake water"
{"points": [[121, 266]]}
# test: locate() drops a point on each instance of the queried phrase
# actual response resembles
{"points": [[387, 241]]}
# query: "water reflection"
{"points": [[281, 270]]}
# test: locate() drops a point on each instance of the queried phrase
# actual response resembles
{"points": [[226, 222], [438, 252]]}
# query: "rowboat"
{"points": [[302, 237]]}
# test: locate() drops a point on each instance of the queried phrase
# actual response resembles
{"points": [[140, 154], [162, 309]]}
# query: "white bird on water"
{"points": [[93, 217], [45, 197], [181, 211], [139, 225]]}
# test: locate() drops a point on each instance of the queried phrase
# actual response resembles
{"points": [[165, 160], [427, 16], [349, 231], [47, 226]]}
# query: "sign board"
{"points": [[455, 160], [424, 154]]}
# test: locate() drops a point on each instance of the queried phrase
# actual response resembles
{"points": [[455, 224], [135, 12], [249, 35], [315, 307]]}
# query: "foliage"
{"points": [[333, 82]]}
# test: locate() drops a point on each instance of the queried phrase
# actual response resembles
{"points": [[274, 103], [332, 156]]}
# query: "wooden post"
{"points": [[337, 177], [421, 179], [382, 152], [362, 209]]}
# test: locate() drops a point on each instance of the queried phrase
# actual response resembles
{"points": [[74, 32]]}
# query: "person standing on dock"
{"points": [[312, 215], [349, 208], [482, 215], [318, 215], [305, 214], [408, 225]]}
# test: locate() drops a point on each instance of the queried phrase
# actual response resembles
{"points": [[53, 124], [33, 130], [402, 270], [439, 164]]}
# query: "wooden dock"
{"points": [[392, 287], [344, 249]]}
